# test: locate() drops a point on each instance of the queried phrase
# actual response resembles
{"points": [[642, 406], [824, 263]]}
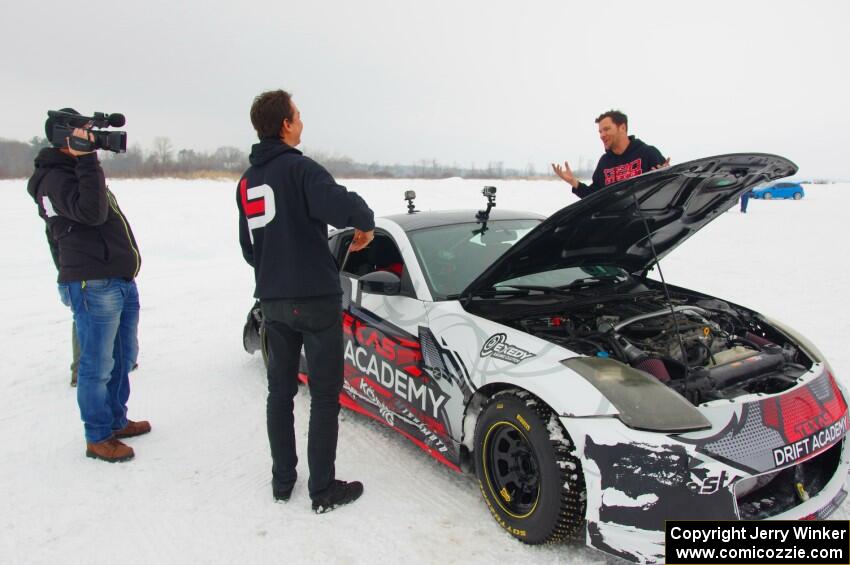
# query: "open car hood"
{"points": [[606, 227]]}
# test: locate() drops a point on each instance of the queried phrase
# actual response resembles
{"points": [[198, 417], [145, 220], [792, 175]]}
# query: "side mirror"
{"points": [[380, 282]]}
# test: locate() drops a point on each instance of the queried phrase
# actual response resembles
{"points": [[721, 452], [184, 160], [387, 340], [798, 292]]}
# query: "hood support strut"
{"points": [[657, 262]]}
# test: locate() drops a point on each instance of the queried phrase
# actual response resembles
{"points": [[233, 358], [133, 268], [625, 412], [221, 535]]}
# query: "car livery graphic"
{"points": [[591, 401]]}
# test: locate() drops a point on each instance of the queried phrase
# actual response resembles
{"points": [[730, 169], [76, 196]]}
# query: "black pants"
{"points": [[315, 323]]}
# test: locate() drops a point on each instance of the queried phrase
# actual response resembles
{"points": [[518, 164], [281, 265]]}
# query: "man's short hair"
{"points": [[268, 112], [616, 116]]}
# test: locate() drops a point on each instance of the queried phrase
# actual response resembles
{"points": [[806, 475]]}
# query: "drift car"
{"points": [[591, 401]]}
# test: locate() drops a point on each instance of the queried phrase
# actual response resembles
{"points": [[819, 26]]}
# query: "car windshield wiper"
{"points": [[525, 289], [529, 287], [562, 289], [589, 281], [508, 291]]}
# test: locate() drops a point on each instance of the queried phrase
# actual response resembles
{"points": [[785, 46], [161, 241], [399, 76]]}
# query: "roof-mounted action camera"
{"points": [[410, 196], [490, 193]]}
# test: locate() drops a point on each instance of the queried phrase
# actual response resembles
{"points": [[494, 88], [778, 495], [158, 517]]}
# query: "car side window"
{"points": [[381, 255]]}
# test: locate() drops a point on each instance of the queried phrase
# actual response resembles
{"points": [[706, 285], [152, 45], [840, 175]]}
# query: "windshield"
{"points": [[453, 256]]}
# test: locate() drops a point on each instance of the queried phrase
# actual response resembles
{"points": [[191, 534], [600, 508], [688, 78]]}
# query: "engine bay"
{"points": [[702, 347]]}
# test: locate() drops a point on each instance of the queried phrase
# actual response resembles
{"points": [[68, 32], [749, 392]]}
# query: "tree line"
{"points": [[162, 160]]}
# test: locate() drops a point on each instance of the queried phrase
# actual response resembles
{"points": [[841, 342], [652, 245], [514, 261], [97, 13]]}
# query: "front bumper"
{"points": [[637, 480]]}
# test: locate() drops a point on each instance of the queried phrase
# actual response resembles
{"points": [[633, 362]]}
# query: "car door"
{"points": [[384, 372]]}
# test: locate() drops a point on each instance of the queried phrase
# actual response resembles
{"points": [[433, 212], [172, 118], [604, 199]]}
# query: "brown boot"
{"points": [[133, 429], [110, 450]]}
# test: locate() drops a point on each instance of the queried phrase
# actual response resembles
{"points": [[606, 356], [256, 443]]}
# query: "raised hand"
{"points": [[663, 165], [566, 173]]}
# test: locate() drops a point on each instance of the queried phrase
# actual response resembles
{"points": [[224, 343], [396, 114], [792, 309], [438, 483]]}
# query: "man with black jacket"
{"points": [[98, 262], [286, 202], [625, 156]]}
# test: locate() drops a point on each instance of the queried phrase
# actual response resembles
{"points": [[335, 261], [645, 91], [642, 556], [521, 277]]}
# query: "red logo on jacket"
{"points": [[251, 207], [623, 172]]}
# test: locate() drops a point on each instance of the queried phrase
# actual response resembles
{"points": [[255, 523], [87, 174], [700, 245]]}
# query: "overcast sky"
{"points": [[464, 82]]}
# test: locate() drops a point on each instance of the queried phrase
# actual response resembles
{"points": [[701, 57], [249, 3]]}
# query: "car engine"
{"points": [[702, 347]]}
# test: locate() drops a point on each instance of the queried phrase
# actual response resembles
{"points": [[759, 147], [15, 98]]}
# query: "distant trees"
{"points": [[162, 152], [16, 160], [162, 160], [16, 157]]}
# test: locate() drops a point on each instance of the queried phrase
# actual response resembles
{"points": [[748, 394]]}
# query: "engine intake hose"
{"points": [[654, 367], [758, 340]]}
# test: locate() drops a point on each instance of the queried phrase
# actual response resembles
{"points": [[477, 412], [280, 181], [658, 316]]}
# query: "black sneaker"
{"points": [[282, 494], [339, 493]]}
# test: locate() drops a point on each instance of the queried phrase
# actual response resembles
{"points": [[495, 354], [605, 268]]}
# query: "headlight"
{"points": [[644, 403]]}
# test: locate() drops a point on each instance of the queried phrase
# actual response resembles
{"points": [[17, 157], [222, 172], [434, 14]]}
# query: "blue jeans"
{"points": [[106, 313]]}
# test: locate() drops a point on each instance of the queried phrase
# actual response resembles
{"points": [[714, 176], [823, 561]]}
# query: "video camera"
{"points": [[64, 123]]}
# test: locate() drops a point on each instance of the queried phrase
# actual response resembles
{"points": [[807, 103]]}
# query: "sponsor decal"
{"points": [[515, 531], [712, 483], [801, 413], [811, 444], [505, 494], [403, 351], [497, 346], [404, 415], [410, 389], [386, 413], [781, 430], [522, 421], [386, 378], [428, 436]]}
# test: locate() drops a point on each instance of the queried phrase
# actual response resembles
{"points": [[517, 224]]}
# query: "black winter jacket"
{"points": [[286, 202], [638, 158], [86, 229]]}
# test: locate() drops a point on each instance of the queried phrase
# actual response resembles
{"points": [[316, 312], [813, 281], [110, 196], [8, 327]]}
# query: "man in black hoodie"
{"points": [[625, 156], [98, 262], [286, 202]]}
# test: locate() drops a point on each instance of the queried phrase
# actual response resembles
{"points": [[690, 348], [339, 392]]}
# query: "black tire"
{"points": [[797, 196], [768, 196], [527, 471]]}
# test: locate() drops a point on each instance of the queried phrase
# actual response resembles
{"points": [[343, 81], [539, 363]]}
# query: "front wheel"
{"points": [[527, 470], [797, 196]]}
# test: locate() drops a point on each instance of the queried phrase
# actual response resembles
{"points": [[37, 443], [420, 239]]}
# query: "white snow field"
{"points": [[198, 490]]}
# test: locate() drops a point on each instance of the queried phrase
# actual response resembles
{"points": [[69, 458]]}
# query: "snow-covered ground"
{"points": [[198, 490]]}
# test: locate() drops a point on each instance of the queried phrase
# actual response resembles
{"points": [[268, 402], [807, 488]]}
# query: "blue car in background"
{"points": [[779, 190]]}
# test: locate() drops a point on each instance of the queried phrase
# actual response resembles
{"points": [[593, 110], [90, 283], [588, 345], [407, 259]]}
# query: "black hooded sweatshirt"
{"points": [[286, 201], [88, 234], [638, 158]]}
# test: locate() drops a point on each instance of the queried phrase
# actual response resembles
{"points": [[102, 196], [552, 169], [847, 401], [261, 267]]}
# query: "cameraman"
{"points": [[98, 262]]}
